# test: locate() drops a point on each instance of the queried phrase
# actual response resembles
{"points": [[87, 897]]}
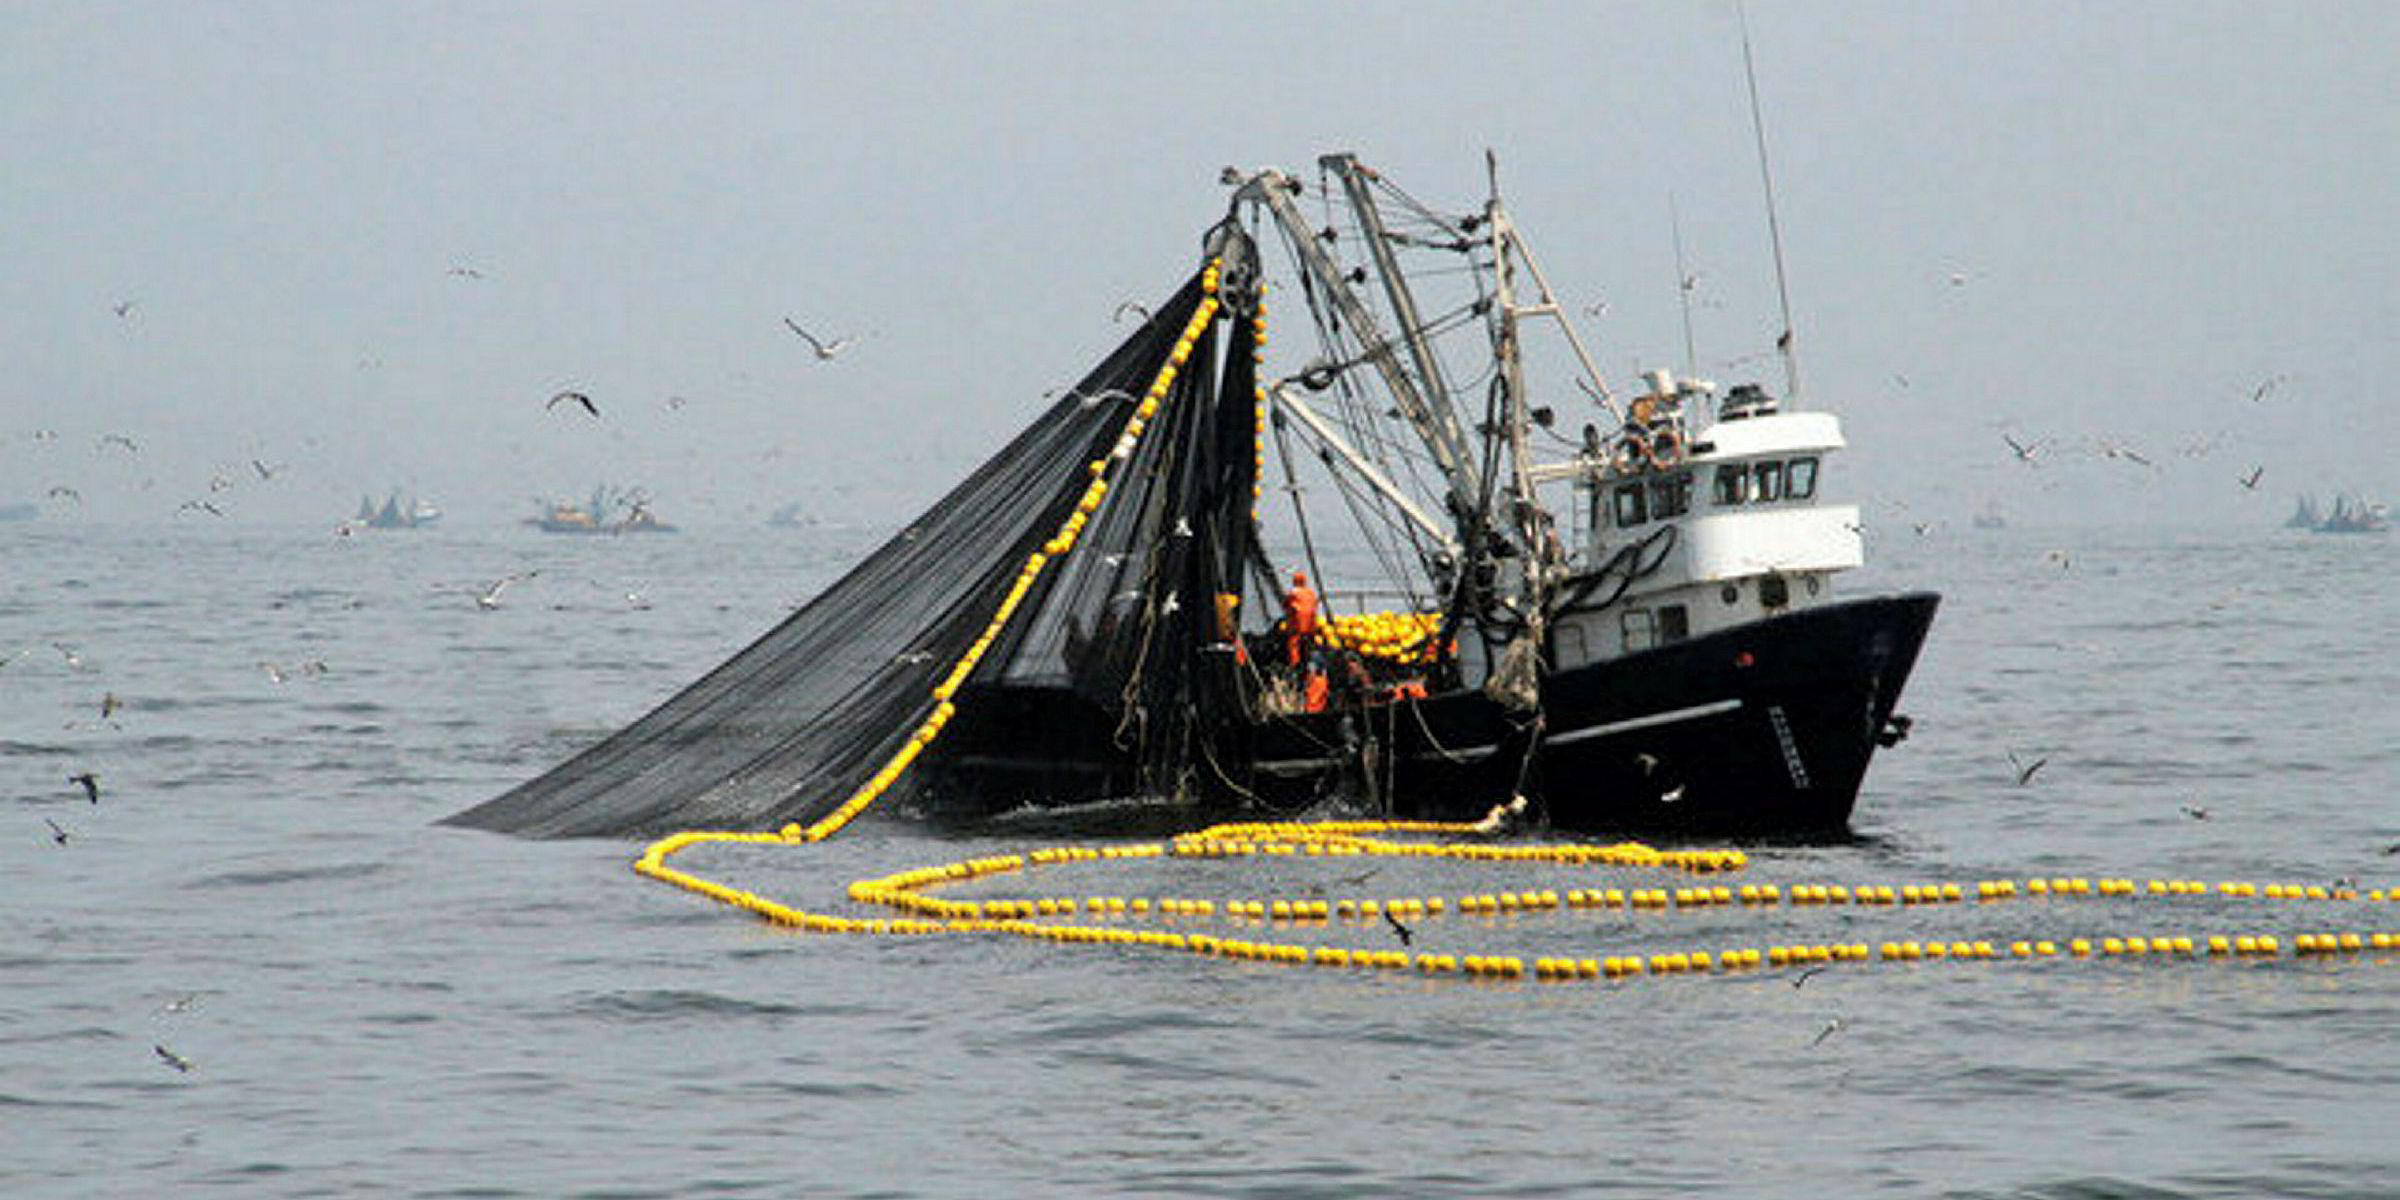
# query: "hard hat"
{"points": [[1299, 579]]}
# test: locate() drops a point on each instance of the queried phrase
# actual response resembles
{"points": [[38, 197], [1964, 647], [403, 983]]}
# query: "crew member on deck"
{"points": [[1299, 619]]}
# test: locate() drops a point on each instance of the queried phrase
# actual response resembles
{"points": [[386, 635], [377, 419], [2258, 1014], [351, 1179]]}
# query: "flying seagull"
{"points": [[265, 471], [2250, 481], [91, 785], [63, 492], [577, 397], [1406, 935], [2025, 771], [58, 832], [2197, 814], [491, 596], [2023, 451], [2257, 394], [118, 439], [199, 506], [824, 350], [172, 1059], [123, 308], [466, 272], [1832, 1027], [181, 1003], [1802, 977], [109, 704], [1135, 306]]}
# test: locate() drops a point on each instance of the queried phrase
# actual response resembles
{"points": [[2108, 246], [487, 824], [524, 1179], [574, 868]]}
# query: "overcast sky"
{"points": [[2151, 209]]}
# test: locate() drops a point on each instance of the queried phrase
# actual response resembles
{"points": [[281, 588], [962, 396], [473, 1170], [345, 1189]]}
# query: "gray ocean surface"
{"points": [[382, 1007]]}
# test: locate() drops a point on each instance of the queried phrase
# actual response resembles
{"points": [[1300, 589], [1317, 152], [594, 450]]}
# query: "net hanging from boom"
{"points": [[793, 725]]}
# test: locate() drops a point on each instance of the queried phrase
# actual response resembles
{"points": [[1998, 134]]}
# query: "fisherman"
{"points": [[1299, 619]]}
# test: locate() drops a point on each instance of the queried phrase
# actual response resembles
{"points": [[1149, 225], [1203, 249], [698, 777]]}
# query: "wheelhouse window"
{"points": [[1800, 479], [1641, 632], [1674, 623], [1631, 510], [1671, 495], [1767, 482], [1732, 486]]}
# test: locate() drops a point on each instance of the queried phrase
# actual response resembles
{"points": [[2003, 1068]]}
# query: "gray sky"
{"points": [[2154, 207]]}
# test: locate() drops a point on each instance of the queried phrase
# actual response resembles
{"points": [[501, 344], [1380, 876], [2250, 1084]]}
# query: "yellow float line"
{"points": [[904, 891]]}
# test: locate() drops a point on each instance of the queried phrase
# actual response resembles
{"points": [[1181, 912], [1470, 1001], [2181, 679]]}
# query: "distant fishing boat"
{"points": [[2352, 514], [2304, 515], [594, 515], [393, 514]]}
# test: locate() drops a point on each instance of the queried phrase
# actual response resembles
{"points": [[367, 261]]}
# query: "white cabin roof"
{"points": [[1774, 433]]}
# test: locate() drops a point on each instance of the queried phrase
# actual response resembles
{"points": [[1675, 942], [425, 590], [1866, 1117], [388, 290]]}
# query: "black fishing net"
{"points": [[790, 727]]}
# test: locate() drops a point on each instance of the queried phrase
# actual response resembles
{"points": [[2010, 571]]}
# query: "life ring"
{"points": [[1664, 449], [1630, 452]]}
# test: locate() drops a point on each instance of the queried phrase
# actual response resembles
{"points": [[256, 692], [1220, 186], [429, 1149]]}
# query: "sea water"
{"points": [[371, 1005]]}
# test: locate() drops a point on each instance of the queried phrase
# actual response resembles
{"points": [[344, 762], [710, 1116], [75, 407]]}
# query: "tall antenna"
{"points": [[1783, 294], [1683, 287]]}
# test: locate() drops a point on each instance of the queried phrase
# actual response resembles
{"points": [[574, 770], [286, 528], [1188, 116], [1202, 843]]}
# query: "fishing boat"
{"points": [[393, 514], [2354, 514], [2304, 515], [1631, 630], [599, 514]]}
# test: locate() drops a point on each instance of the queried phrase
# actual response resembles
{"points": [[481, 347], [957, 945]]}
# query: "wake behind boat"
{"points": [[1639, 634]]}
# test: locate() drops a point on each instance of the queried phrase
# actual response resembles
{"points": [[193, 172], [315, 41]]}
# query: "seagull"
{"points": [[1958, 279], [58, 832], [67, 652], [577, 397], [2025, 772], [2197, 814], [109, 704], [2120, 450], [1832, 1027], [172, 1059], [824, 350], [491, 597], [265, 471], [1406, 935], [1922, 527], [1671, 795], [466, 272], [181, 1003], [2250, 481], [676, 403], [1596, 310], [1902, 380], [119, 439], [63, 492], [1802, 977], [123, 308], [2060, 557], [90, 784], [1647, 762], [1135, 305], [218, 483], [199, 506], [1092, 400], [2260, 392], [273, 672], [2024, 452]]}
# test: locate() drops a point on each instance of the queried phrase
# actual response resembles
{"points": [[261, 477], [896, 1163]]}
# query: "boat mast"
{"points": [[1354, 177], [1526, 516], [1783, 295], [1437, 428]]}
